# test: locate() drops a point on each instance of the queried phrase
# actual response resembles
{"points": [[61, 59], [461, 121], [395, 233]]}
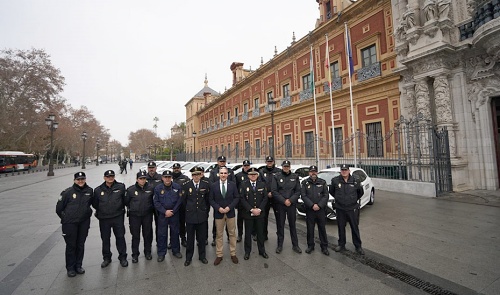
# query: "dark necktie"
{"points": [[223, 190], [196, 186], [253, 186]]}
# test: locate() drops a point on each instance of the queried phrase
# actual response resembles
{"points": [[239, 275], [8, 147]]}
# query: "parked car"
{"points": [[368, 197], [301, 170]]}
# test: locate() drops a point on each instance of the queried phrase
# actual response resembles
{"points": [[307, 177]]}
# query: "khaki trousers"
{"points": [[231, 229]]}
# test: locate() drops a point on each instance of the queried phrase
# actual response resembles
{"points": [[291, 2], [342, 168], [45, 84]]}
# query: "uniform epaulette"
{"points": [[204, 180]]}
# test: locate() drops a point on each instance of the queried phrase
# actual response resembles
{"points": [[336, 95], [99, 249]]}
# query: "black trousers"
{"points": [[270, 205], [75, 235], [198, 231], [146, 223], [350, 216], [319, 218], [254, 225], [239, 221], [105, 226], [182, 222], [285, 212], [155, 216]]}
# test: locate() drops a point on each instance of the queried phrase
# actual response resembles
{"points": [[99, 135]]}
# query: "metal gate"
{"points": [[442, 162]]}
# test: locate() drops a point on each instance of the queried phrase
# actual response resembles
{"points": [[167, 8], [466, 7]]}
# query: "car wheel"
{"points": [[372, 197]]}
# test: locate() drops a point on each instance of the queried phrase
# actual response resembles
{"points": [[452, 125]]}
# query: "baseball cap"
{"points": [[109, 173], [269, 158], [221, 159], [176, 165], [253, 170], [344, 167], [313, 168], [151, 164], [80, 175], [141, 174], [167, 173], [246, 163], [286, 163]]}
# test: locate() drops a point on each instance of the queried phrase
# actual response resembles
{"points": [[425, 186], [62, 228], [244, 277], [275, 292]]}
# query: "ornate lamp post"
{"points": [[194, 146], [97, 147], [84, 138], [51, 123], [272, 108]]}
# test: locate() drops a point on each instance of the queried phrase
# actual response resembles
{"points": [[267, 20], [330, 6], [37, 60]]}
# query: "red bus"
{"points": [[11, 161]]}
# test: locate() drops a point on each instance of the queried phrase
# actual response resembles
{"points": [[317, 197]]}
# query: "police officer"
{"points": [[346, 189], [167, 201], [109, 203], [154, 179], [240, 178], [314, 193], [180, 179], [214, 177], [286, 193], [139, 201], [195, 198], [267, 175], [253, 197], [73, 207]]}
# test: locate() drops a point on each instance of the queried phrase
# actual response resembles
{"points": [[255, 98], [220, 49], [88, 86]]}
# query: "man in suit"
{"points": [[253, 199], [195, 198], [224, 199]]}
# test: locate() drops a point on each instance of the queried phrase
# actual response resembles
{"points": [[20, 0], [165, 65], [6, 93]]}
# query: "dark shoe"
{"points": [[183, 243], [297, 249], [266, 238], [135, 259], [124, 263], [187, 262], [71, 273], [178, 255], [325, 251], [254, 237], [279, 249], [160, 258], [247, 256], [105, 263], [238, 239], [309, 250], [217, 260], [148, 257], [204, 261], [339, 248], [213, 243], [264, 255], [169, 246], [80, 270], [234, 259], [206, 242], [360, 251]]}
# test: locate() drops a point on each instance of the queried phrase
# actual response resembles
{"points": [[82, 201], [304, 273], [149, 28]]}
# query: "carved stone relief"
{"points": [[430, 12], [442, 100], [409, 97], [422, 98]]}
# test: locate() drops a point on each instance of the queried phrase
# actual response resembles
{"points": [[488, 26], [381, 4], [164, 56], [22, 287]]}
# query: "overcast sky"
{"points": [[131, 61]]}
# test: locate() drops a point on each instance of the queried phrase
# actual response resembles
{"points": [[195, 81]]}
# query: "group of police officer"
{"points": [[182, 205]]}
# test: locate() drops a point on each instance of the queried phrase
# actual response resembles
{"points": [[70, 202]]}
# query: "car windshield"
{"points": [[328, 175], [188, 166]]}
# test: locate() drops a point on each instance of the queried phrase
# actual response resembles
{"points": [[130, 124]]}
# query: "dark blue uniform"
{"points": [[240, 178], [315, 192], [180, 179], [267, 175], [286, 186], [254, 197], [153, 181], [168, 198], [139, 201], [74, 210]]}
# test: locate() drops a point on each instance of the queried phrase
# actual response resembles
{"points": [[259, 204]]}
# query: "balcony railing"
{"points": [[244, 116], [228, 122], [256, 113], [487, 12], [235, 120], [369, 72], [336, 85], [305, 94], [286, 102]]}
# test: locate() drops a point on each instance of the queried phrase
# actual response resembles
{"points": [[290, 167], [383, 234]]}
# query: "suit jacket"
{"points": [[217, 201], [250, 199], [196, 201]]}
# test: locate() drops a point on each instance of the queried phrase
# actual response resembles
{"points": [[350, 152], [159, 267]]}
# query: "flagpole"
{"points": [[331, 101], [315, 111], [349, 61]]}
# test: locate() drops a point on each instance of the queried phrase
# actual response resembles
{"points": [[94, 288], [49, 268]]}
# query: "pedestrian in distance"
{"points": [[109, 203], [253, 199], [195, 196], [346, 190], [73, 208], [167, 201], [315, 195], [224, 199], [139, 201], [286, 193], [131, 162]]}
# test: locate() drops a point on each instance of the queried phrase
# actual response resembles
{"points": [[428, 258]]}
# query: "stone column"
{"points": [[409, 100], [444, 112], [422, 101]]}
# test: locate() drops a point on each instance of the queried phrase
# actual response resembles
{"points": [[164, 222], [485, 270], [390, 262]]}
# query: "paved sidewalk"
{"points": [[414, 245]]}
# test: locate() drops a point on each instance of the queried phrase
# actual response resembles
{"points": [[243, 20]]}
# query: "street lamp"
{"points": [[106, 153], [171, 150], [84, 137], [149, 152], [194, 146], [51, 123], [272, 108], [97, 147]]}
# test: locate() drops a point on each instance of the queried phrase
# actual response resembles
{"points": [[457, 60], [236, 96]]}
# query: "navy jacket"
{"points": [[314, 192], [196, 201], [251, 199], [139, 200], [217, 201], [346, 193], [167, 198], [109, 202], [74, 204]]}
